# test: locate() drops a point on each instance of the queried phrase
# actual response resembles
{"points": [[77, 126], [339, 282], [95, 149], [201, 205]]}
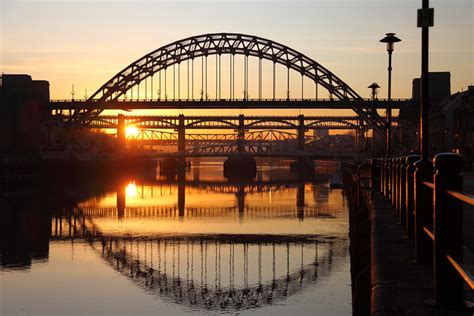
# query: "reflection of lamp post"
{"points": [[375, 87], [390, 39]]}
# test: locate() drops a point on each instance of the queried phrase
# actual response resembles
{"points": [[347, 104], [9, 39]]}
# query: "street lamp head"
{"points": [[375, 87], [390, 39]]}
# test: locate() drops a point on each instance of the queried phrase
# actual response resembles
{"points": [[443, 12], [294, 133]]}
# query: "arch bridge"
{"points": [[146, 80]]}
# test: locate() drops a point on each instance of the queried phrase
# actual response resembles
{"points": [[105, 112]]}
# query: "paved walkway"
{"points": [[400, 287]]}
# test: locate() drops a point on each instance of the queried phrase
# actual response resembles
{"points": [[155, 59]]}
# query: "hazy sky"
{"points": [[86, 42]]}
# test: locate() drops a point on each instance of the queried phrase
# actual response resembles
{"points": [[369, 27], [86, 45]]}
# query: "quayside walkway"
{"points": [[421, 261]]}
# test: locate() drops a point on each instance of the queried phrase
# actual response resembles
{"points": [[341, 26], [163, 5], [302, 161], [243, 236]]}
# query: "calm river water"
{"points": [[204, 245]]}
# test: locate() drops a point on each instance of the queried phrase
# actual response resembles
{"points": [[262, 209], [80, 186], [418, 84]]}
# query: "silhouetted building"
{"points": [[439, 89], [452, 122], [439, 92], [23, 104]]}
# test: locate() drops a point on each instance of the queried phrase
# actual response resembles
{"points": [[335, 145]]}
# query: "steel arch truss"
{"points": [[224, 43], [164, 138]]}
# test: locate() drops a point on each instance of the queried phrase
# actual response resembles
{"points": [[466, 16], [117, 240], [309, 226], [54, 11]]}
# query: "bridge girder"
{"points": [[230, 122]]}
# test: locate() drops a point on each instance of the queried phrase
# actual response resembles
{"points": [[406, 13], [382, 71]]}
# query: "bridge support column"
{"points": [[241, 135], [181, 141], [300, 132], [121, 129], [302, 163]]}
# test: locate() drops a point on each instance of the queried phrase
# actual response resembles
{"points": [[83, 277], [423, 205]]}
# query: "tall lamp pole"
{"points": [[390, 39], [375, 87], [425, 21]]}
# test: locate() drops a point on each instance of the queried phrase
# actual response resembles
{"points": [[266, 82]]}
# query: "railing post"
{"points": [[397, 184], [447, 229], [423, 211], [393, 184], [402, 190], [410, 194], [382, 176], [387, 177], [372, 174], [359, 190]]}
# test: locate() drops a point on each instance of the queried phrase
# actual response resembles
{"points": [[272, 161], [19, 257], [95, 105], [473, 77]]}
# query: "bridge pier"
{"points": [[121, 129], [181, 141], [242, 165], [241, 135], [300, 132], [302, 164]]}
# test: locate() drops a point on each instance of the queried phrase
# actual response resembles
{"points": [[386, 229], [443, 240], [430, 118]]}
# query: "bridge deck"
{"points": [[225, 104]]}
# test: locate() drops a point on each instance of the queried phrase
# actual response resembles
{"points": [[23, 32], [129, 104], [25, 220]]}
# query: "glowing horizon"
{"points": [[71, 42]]}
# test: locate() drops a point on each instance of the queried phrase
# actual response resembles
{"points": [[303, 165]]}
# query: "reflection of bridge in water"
{"points": [[239, 209], [220, 272]]}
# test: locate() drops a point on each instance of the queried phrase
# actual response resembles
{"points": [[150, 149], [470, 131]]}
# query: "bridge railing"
{"points": [[432, 214], [235, 99]]}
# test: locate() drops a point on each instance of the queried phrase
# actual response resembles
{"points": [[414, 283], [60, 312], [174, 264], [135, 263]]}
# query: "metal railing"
{"points": [[428, 198], [235, 99]]}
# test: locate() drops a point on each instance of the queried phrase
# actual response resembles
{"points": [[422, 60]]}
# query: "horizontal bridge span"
{"points": [[222, 104], [230, 122]]}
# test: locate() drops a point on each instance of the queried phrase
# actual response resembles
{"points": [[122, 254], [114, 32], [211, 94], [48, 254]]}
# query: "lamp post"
{"points": [[375, 87], [390, 39]]}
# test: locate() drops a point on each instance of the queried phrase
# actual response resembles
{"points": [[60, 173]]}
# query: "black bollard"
{"points": [[410, 194], [387, 177], [447, 229], [382, 176], [396, 184], [402, 165], [423, 211], [393, 184]]}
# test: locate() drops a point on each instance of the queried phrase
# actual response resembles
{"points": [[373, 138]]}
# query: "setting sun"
{"points": [[131, 131], [131, 190]]}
